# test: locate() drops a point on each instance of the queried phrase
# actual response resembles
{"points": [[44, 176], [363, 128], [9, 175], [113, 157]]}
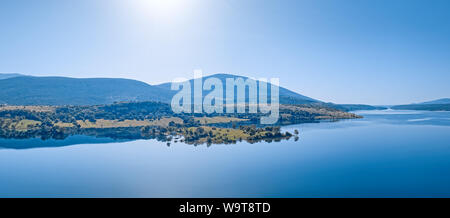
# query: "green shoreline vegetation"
{"points": [[154, 120]]}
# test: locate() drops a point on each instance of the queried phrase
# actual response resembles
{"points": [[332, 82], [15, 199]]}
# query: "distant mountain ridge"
{"points": [[438, 101], [9, 75], [442, 104], [30, 90]]}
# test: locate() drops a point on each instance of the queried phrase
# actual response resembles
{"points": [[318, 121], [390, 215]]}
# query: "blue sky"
{"points": [[343, 51]]}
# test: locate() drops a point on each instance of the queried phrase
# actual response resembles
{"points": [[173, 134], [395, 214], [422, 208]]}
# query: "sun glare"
{"points": [[161, 9]]}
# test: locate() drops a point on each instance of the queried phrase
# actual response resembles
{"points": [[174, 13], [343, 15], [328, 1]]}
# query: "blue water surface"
{"points": [[386, 154]]}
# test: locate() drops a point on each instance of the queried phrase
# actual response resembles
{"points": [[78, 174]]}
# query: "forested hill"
{"points": [[27, 90], [286, 96]]}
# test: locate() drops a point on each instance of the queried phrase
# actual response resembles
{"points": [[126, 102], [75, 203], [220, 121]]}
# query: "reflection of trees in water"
{"points": [[63, 133], [171, 134]]}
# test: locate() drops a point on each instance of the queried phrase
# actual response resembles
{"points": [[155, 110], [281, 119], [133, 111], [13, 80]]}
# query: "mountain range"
{"points": [[16, 89]]}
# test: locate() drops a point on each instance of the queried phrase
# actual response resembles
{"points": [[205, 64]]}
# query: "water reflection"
{"points": [[393, 117], [50, 143]]}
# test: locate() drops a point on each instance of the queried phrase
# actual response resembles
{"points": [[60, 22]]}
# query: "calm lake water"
{"points": [[386, 154]]}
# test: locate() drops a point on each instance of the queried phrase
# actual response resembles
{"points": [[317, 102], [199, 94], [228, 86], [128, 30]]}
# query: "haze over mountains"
{"points": [[16, 89]]}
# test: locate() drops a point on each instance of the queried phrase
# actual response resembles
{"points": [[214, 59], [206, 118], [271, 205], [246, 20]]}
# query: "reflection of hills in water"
{"points": [[59, 139], [52, 143]]}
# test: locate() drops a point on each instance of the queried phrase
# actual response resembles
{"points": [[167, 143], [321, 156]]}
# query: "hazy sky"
{"points": [[365, 51]]}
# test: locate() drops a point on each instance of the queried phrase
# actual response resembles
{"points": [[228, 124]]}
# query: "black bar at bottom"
{"points": [[252, 207]]}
